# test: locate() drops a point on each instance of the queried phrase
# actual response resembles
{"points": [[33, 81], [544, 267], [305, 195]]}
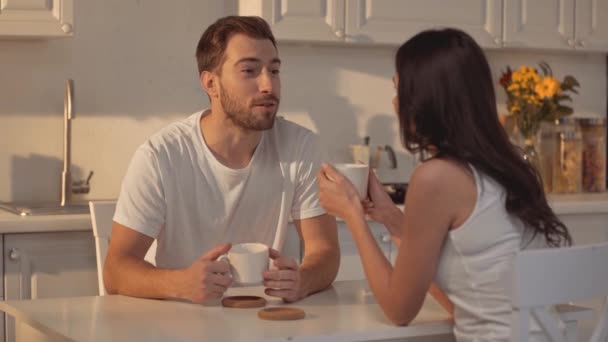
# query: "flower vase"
{"points": [[530, 151]]}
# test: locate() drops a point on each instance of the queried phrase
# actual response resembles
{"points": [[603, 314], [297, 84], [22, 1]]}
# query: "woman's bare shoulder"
{"points": [[441, 173]]}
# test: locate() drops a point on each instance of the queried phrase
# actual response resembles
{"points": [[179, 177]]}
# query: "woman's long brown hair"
{"points": [[447, 102]]}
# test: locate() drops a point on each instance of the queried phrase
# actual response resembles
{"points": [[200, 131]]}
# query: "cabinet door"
{"points": [[48, 265], [350, 261], [545, 24], [586, 228], [310, 20], [36, 18], [395, 21], [591, 25]]}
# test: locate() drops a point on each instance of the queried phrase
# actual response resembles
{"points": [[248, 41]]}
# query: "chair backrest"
{"points": [[544, 278], [102, 213]]}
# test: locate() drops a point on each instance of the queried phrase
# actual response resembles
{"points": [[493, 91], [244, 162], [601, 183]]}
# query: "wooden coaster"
{"points": [[243, 302], [281, 314]]}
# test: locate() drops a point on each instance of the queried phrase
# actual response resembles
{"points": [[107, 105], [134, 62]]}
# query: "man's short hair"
{"points": [[212, 45]]}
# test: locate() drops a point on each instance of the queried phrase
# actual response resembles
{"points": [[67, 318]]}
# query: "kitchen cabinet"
{"points": [[557, 24], [586, 228], [375, 21], [47, 265], [548, 24], [36, 18], [591, 25], [313, 20], [395, 21]]}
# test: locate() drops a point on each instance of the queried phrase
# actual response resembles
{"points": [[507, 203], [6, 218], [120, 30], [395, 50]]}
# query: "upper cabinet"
{"points": [[395, 21], [313, 20], [375, 21], [557, 24], [539, 23], [548, 24], [36, 18], [591, 25]]}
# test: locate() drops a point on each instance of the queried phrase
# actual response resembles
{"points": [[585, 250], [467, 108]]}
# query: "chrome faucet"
{"points": [[68, 187]]}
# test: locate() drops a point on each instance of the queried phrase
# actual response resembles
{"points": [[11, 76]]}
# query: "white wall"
{"points": [[133, 66]]}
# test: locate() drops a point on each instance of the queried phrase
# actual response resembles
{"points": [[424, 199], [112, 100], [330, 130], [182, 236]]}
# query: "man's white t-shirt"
{"points": [[176, 191]]}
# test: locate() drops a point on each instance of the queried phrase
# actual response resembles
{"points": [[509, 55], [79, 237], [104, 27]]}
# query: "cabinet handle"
{"points": [[66, 28], [570, 42], [340, 33], [580, 43], [497, 41], [14, 254]]}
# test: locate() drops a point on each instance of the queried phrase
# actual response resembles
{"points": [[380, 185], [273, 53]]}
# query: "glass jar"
{"points": [[567, 173], [594, 154], [549, 143]]}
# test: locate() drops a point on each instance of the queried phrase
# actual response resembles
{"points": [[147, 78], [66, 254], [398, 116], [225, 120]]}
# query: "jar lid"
{"points": [[570, 135], [593, 121], [566, 120]]}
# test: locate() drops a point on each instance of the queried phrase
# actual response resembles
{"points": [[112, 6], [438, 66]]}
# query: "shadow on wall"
{"points": [[328, 89], [37, 179], [332, 116]]}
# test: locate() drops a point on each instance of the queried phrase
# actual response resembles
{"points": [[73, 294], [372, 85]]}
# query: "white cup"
{"points": [[247, 263], [358, 174]]}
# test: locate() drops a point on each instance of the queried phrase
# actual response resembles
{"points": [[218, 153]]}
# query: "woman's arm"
{"points": [[429, 212], [401, 290], [434, 290]]}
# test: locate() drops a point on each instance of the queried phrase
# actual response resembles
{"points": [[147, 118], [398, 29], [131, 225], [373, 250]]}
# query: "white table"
{"points": [[345, 312]]}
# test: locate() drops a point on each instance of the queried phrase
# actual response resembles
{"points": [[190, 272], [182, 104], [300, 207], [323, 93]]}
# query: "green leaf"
{"points": [[559, 98], [546, 68], [570, 82], [563, 110]]}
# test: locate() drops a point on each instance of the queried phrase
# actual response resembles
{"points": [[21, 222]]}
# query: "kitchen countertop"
{"points": [[570, 204], [596, 203], [11, 223]]}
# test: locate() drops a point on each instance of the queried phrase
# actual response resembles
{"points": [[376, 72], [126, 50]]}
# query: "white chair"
{"points": [[101, 219], [545, 278]]}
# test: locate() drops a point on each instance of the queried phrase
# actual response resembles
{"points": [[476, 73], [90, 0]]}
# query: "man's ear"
{"points": [[209, 81]]}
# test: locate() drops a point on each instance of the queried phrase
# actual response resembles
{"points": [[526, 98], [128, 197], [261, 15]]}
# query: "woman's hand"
{"points": [[338, 195], [379, 207]]}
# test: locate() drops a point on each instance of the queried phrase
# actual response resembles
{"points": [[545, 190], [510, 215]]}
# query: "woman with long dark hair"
{"points": [[470, 207]]}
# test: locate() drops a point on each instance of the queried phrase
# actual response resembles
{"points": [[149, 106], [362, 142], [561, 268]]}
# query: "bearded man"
{"points": [[230, 174]]}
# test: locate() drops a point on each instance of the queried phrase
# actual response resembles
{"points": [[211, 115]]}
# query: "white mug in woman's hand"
{"points": [[247, 263], [358, 174]]}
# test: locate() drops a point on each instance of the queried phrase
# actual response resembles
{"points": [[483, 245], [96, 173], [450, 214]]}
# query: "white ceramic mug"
{"points": [[358, 174], [247, 263]]}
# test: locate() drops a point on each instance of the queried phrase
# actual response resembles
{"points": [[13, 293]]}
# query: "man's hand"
{"points": [[206, 278], [284, 281]]}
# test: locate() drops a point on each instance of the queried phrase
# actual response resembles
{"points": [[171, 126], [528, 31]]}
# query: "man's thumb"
{"points": [[216, 252]]}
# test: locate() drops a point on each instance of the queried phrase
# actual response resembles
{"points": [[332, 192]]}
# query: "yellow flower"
{"points": [[548, 87], [525, 69], [513, 87], [516, 77]]}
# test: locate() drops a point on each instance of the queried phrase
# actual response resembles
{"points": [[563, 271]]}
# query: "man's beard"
{"points": [[244, 116]]}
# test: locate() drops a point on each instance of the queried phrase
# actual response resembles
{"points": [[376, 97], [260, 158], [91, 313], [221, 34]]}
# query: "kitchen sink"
{"points": [[39, 209]]}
